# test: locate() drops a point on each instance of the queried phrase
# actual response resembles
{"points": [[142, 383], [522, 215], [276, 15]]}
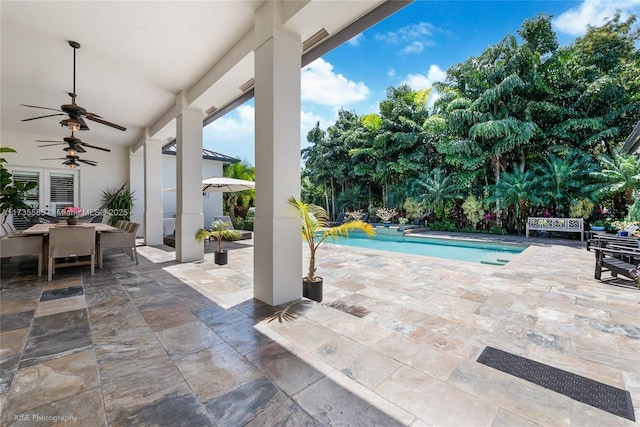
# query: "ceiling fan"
{"points": [[73, 160], [76, 113], [75, 144]]}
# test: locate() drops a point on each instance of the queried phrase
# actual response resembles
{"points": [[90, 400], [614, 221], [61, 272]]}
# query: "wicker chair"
{"points": [[67, 242], [21, 245], [125, 240]]}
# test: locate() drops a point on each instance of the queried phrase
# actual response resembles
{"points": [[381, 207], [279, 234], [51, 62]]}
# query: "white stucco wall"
{"points": [[211, 202], [114, 169], [111, 172]]}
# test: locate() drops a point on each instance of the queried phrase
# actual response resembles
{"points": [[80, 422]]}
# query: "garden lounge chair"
{"points": [[342, 217]]}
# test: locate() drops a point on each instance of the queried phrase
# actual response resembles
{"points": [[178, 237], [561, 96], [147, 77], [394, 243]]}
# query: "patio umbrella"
{"points": [[222, 184]]}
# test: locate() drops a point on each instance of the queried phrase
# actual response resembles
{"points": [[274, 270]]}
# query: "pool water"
{"points": [[460, 250]]}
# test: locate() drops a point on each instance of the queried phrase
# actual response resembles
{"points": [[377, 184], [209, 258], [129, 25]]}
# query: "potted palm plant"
{"points": [[219, 230], [315, 230]]}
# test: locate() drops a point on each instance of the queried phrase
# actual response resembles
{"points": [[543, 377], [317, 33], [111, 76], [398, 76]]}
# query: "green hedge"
{"points": [[243, 224]]}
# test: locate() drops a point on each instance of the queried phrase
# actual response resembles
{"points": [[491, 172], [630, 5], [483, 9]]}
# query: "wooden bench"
{"points": [[616, 260], [602, 239], [571, 225]]}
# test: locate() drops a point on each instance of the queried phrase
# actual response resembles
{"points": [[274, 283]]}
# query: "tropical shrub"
{"points": [[581, 209], [473, 210], [13, 195], [414, 209], [494, 229], [443, 225], [119, 204]]}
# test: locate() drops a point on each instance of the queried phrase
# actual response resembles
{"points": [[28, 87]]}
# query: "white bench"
{"points": [[572, 225]]}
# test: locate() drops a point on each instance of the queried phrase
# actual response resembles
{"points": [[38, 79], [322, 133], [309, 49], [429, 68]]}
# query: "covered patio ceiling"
{"points": [[136, 57]]}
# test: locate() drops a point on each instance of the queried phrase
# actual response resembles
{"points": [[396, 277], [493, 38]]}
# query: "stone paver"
{"points": [[164, 343]]}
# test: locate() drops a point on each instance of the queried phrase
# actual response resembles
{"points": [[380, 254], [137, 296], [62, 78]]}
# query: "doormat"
{"points": [[599, 395]]}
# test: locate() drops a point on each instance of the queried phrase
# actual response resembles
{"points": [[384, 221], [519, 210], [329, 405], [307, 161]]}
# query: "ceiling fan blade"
{"points": [[43, 108], [47, 140], [93, 146], [49, 145], [55, 158], [89, 162], [92, 115], [42, 117], [104, 122]]}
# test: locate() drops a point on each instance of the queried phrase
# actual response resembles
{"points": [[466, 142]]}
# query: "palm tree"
{"points": [[564, 180], [219, 230], [240, 170], [620, 174], [354, 196], [315, 230], [517, 189], [395, 196], [435, 189]]}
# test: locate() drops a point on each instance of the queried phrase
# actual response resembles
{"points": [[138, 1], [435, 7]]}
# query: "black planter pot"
{"points": [[312, 290], [220, 258]]}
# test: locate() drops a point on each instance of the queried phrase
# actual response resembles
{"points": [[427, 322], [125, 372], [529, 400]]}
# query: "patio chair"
{"points": [[246, 234], [125, 240], [7, 229], [71, 242], [21, 245]]}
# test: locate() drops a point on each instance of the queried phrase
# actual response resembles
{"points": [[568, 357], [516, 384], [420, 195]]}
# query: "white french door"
{"points": [[56, 189]]}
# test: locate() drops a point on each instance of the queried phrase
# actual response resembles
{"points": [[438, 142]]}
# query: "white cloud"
{"points": [[413, 37], [322, 86], [593, 12], [420, 81], [233, 134], [308, 121], [391, 72], [414, 47], [355, 41], [239, 123]]}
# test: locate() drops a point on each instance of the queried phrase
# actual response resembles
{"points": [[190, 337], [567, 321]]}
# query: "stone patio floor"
{"points": [[173, 344]]}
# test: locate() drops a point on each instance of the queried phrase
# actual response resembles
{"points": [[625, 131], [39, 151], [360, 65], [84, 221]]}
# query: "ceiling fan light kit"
{"points": [[75, 122], [74, 125]]}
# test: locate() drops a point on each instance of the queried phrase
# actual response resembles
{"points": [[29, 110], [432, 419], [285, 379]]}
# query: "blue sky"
{"points": [[415, 46]]}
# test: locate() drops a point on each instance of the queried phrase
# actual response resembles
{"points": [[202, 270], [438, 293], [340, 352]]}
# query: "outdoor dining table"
{"points": [[43, 229]]}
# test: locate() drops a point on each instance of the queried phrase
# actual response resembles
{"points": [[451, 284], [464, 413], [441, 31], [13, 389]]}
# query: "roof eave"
{"points": [[220, 157]]}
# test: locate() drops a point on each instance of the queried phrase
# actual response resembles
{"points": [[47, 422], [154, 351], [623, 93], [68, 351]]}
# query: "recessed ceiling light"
{"points": [[314, 39], [248, 85]]}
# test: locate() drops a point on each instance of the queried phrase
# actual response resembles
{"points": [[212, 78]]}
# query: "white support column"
{"points": [[277, 241], [189, 217], [136, 186], [152, 191]]}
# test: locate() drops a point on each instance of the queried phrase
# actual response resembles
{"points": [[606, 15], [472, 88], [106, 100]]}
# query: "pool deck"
{"points": [[165, 343]]}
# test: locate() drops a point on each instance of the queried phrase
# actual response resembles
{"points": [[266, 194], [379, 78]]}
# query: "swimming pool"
{"points": [[460, 250]]}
